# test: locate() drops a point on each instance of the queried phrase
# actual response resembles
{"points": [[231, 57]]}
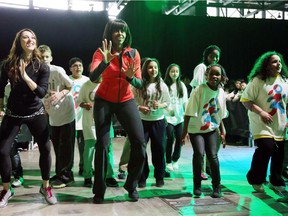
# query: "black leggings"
{"points": [[9, 129], [173, 133], [128, 116], [201, 143]]}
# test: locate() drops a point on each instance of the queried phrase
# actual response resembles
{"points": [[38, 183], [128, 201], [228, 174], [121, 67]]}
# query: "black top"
{"points": [[22, 101]]}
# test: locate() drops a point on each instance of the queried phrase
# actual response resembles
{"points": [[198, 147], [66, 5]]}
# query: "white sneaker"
{"points": [[48, 195], [258, 188], [169, 167], [17, 182], [277, 188], [175, 165], [5, 196]]}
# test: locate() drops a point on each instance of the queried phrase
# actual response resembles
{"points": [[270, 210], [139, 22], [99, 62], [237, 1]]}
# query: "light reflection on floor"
{"points": [[172, 199]]}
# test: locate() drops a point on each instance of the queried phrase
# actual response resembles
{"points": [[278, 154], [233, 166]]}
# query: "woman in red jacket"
{"points": [[119, 66]]}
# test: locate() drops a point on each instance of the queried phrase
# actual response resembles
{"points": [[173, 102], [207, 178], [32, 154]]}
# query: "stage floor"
{"points": [[174, 198]]}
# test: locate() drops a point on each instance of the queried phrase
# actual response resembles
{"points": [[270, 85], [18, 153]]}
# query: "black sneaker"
{"points": [[216, 192], [197, 191], [111, 182], [88, 182], [57, 184], [159, 182], [122, 175], [98, 200], [68, 178], [132, 194], [55, 177]]}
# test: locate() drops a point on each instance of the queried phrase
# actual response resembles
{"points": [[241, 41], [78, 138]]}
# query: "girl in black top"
{"points": [[29, 82]]}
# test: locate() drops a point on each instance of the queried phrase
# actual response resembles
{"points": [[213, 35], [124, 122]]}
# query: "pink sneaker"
{"points": [[203, 176]]}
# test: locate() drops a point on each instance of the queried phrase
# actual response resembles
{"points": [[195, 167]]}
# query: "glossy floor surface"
{"points": [[174, 198]]}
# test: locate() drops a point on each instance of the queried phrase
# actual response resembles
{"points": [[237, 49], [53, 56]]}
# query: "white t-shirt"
{"points": [[86, 95], [272, 96], [177, 104], [75, 92], [152, 93], [206, 109], [198, 75], [63, 112]]}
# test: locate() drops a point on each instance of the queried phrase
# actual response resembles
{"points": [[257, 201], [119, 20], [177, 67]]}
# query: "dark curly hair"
{"points": [[260, 67]]}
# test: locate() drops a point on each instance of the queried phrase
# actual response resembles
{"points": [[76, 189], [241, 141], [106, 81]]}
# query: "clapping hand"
{"points": [[22, 67]]}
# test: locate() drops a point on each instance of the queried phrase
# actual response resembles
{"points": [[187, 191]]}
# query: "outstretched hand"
{"points": [[130, 69], [106, 51]]}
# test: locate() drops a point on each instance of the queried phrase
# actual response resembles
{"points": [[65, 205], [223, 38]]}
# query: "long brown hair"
{"points": [[12, 61]]}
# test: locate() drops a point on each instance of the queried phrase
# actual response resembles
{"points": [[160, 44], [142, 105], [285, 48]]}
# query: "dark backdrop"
{"points": [[182, 39], [171, 39], [68, 33]]}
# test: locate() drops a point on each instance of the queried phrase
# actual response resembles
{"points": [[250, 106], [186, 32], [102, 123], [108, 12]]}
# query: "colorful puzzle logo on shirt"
{"points": [[275, 99], [209, 109], [75, 93]]}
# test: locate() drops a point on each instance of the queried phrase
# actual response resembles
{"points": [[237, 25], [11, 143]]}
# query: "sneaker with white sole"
{"points": [[277, 188], [17, 182], [175, 165], [169, 167], [48, 195], [5, 196], [258, 188]]}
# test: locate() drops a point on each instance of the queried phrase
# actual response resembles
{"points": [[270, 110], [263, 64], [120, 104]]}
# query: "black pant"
{"points": [[63, 139], [81, 145], [173, 133], [128, 116], [205, 143], [267, 148], [155, 131], [38, 127]]}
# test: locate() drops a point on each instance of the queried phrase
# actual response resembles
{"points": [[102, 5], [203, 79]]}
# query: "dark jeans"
{"points": [[128, 116], [17, 169], [155, 131], [63, 139], [205, 143], [38, 127], [267, 148], [173, 133]]}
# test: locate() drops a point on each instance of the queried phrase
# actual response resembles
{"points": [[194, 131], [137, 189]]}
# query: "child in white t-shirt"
{"points": [[85, 100], [266, 99], [152, 99], [203, 116]]}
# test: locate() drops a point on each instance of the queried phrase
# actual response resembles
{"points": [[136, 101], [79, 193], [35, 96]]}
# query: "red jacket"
{"points": [[114, 86]]}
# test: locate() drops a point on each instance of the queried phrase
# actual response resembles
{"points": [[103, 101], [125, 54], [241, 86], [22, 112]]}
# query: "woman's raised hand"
{"points": [[131, 70], [106, 51]]}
